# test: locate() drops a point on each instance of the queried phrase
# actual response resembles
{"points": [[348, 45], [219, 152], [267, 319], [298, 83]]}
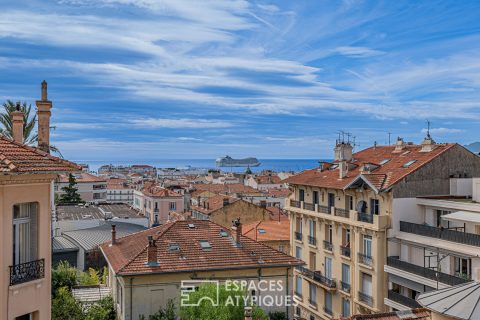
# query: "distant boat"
{"points": [[228, 161]]}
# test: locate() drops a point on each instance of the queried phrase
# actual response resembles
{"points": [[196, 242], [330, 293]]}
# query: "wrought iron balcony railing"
{"points": [[327, 245], [298, 236], [368, 299], [364, 259], [406, 301], [27, 271], [294, 203], [342, 213], [312, 240], [328, 310], [345, 251], [345, 286], [318, 277], [365, 217], [323, 209], [309, 206]]}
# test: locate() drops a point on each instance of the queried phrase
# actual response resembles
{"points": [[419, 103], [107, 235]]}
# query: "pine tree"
{"points": [[70, 194]]}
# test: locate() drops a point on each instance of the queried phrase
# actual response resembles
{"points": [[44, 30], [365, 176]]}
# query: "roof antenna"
{"points": [[389, 135], [428, 130]]}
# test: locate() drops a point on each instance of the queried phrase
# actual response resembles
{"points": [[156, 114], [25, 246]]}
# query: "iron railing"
{"points": [[368, 299], [309, 206], [323, 209], [345, 286], [342, 213], [441, 233], [328, 310], [298, 236], [406, 301], [312, 240], [318, 277], [294, 203], [364, 259], [345, 251], [28, 271], [327, 245], [425, 272], [365, 217]]}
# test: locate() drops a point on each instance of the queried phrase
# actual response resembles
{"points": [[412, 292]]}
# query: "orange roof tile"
{"points": [[414, 314], [383, 177], [19, 158], [152, 190], [225, 188], [268, 179], [82, 177], [129, 254], [213, 203], [268, 230]]}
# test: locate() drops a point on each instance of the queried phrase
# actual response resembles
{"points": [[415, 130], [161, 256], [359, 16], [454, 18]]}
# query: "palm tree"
{"points": [[30, 137]]}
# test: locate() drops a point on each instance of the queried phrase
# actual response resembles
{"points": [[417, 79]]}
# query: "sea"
{"points": [[295, 165]]}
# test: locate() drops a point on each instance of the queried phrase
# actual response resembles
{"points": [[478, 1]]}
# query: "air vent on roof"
{"points": [[260, 261], [191, 226], [173, 247]]}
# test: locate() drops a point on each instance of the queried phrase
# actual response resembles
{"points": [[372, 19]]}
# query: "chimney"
{"points": [[342, 169], [428, 144], [151, 252], [17, 124], [114, 235], [237, 231], [43, 115], [226, 202], [399, 145], [263, 204], [343, 151], [248, 313]]}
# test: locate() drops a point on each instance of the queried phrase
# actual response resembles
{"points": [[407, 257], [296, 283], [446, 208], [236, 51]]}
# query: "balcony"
{"points": [[26, 272], [328, 310], [365, 217], [327, 245], [425, 272], [295, 203], [323, 209], [342, 213], [298, 236], [312, 302], [363, 297], [441, 233], [308, 206], [318, 277], [364, 259], [345, 251], [406, 301], [312, 240], [345, 286]]}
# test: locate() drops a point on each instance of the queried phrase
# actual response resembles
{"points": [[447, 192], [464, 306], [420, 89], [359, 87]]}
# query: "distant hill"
{"points": [[474, 147]]}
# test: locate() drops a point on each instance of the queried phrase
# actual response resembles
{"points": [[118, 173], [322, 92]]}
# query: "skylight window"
{"points": [[333, 166], [173, 247], [191, 226], [384, 161], [262, 231], [223, 233], [409, 163], [205, 245]]}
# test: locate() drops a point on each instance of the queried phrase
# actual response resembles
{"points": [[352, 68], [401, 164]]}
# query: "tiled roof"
{"points": [[268, 230], [129, 255], [277, 213], [115, 183], [415, 314], [225, 188], [268, 179], [278, 193], [213, 203], [19, 158], [82, 177], [383, 177], [153, 190]]}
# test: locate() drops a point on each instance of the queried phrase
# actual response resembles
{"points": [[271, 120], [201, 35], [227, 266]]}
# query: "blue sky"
{"points": [[153, 79]]}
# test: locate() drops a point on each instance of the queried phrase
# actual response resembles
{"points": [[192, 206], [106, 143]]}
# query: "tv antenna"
{"points": [[428, 129], [389, 135]]}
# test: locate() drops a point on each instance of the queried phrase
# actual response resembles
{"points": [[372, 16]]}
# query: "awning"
{"points": [[463, 216]]}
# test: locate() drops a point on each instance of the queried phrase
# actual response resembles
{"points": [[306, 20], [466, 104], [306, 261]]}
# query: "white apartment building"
{"points": [[90, 187], [118, 191]]}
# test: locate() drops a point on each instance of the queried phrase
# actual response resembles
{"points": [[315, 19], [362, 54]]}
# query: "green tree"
{"points": [[64, 306], [231, 305], [102, 310], [89, 278], [167, 313], [64, 275], [70, 194], [277, 315]]}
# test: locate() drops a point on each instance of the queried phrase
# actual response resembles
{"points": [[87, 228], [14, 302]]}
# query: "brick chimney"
{"points": [[17, 124], [43, 115], [248, 313], [151, 252], [237, 231], [343, 151], [114, 235]]}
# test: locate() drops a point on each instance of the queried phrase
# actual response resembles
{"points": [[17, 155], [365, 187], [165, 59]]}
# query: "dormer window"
{"points": [[409, 163]]}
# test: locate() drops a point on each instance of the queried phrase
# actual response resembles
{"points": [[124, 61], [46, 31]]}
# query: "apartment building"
{"points": [[156, 203], [147, 268], [90, 187], [118, 191], [26, 197], [265, 181], [342, 214]]}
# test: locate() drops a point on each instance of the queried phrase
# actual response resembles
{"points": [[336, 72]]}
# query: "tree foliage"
{"points": [[70, 195], [167, 313], [225, 310], [102, 310], [64, 306], [64, 275]]}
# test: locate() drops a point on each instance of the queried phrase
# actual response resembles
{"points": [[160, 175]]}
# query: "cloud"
{"points": [[181, 123], [441, 131], [358, 52], [188, 139]]}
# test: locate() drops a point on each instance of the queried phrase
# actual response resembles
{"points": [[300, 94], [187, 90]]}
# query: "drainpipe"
{"points": [[131, 298]]}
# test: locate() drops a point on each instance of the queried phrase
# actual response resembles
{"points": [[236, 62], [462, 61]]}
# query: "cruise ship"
{"points": [[228, 161]]}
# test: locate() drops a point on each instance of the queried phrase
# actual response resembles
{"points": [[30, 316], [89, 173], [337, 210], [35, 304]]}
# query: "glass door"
{"points": [[328, 267]]}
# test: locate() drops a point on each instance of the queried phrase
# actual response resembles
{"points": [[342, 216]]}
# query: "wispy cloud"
{"points": [[441, 131], [358, 52], [181, 123]]}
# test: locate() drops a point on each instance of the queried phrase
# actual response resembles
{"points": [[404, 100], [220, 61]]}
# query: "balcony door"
{"points": [[24, 233], [315, 197], [328, 267], [331, 200], [367, 245], [367, 284], [345, 273], [301, 195]]}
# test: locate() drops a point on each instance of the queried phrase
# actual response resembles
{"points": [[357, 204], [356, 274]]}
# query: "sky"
{"points": [[168, 79]]}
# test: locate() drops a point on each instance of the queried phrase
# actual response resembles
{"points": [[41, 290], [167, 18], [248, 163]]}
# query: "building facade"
{"points": [[90, 187], [118, 191]]}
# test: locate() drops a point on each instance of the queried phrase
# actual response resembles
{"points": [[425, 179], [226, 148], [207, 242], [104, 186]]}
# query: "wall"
{"points": [[247, 212]]}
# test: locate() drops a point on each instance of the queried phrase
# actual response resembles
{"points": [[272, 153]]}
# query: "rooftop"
{"points": [[415, 314], [213, 203], [80, 212], [129, 255], [225, 188], [152, 190], [83, 177], [268, 230]]}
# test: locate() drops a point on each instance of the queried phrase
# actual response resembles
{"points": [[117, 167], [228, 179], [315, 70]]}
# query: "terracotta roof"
{"points": [[129, 255], [275, 212], [153, 190], [82, 177], [141, 166], [268, 230], [415, 314], [19, 158], [382, 177], [115, 183], [268, 179], [278, 193], [225, 188], [213, 203]]}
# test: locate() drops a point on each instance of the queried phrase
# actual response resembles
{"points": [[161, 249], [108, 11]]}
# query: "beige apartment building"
{"points": [[26, 198], [90, 187], [342, 214]]}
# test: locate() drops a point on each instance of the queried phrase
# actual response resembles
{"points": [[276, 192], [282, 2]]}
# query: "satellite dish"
{"points": [[361, 206]]}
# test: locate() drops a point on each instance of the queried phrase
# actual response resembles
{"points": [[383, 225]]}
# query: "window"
{"points": [[313, 261], [374, 206], [328, 267], [301, 195], [311, 227], [367, 245], [409, 163], [262, 231], [298, 286], [173, 206], [312, 294], [345, 273], [367, 284], [331, 200], [315, 197], [329, 233], [463, 267], [205, 245], [298, 223], [328, 302], [25, 233], [298, 252], [349, 202], [345, 307], [281, 248]]}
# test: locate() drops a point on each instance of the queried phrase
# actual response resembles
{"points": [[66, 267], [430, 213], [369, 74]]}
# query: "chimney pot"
{"points": [[17, 124]]}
